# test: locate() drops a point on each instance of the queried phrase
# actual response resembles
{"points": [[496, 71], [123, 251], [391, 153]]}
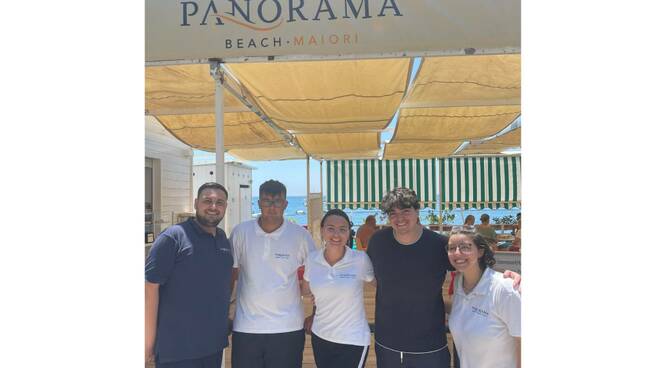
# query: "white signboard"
{"points": [[231, 29]]}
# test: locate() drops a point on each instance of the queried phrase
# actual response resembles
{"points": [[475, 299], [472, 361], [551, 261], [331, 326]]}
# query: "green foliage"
{"points": [[432, 218], [504, 220]]}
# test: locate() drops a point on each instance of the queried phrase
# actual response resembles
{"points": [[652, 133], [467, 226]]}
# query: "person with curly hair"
{"points": [[484, 316]]}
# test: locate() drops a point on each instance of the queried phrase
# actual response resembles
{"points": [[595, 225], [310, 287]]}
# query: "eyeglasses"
{"points": [[270, 203], [464, 248], [209, 202]]}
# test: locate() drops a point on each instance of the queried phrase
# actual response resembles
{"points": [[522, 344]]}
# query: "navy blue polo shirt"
{"points": [[193, 269]]}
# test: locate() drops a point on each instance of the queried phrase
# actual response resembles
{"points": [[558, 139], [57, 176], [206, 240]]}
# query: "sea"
{"points": [[296, 212]]}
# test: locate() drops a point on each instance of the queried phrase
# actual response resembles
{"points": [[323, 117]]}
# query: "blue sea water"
{"points": [[296, 212]]}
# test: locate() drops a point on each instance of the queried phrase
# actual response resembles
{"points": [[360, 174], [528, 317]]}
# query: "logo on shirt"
{"points": [[479, 311], [348, 276], [281, 256], [225, 250]]}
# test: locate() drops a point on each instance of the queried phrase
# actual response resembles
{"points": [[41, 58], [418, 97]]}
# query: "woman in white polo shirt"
{"points": [[485, 312], [335, 275]]}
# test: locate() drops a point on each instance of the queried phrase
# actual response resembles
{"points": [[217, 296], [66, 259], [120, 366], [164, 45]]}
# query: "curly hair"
{"points": [[488, 259], [400, 198]]}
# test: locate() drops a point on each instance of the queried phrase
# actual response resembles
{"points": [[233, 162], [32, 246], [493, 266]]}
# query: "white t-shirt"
{"points": [[484, 322], [338, 294], [268, 294]]}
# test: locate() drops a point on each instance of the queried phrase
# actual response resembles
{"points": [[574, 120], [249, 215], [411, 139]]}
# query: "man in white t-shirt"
{"points": [[268, 326]]}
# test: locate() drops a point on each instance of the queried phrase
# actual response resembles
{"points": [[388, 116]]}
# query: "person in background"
{"points": [[335, 276], [487, 231], [365, 232], [188, 276], [517, 241], [469, 220], [268, 326], [484, 317]]}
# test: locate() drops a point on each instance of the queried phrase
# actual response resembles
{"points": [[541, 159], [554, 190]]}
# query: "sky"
{"points": [[292, 173]]}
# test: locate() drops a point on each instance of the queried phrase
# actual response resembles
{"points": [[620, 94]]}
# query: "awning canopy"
{"points": [[363, 183], [455, 100], [494, 146], [334, 109], [480, 182]]}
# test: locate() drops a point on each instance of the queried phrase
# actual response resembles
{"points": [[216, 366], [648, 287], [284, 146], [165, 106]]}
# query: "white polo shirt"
{"points": [[268, 294], [338, 294], [484, 322]]}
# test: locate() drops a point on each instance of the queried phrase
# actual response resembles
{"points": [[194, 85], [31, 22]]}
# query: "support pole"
{"points": [[219, 77], [309, 219], [321, 181]]}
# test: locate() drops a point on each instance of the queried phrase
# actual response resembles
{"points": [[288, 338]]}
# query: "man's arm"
{"points": [[151, 297], [518, 360], [516, 279], [234, 279]]}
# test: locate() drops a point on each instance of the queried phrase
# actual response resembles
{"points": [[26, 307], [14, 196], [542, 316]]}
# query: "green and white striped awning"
{"points": [[480, 182], [363, 183]]}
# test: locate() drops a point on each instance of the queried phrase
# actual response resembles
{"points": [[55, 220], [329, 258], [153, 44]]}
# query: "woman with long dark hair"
{"points": [[335, 275], [485, 312]]}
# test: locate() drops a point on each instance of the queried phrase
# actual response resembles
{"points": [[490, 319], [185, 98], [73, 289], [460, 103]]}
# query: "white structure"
{"points": [[168, 178], [238, 181]]}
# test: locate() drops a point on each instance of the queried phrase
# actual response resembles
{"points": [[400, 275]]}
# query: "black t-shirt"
{"points": [[410, 312]]}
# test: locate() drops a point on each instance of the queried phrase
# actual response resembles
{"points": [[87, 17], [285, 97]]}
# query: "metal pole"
{"points": [[309, 219], [218, 76], [321, 180]]}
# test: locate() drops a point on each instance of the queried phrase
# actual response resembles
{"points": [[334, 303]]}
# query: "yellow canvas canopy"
{"points": [[337, 109], [494, 146], [456, 99]]}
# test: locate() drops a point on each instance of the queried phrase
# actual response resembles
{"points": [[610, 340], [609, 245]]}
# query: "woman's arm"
{"points": [[305, 290], [448, 301]]}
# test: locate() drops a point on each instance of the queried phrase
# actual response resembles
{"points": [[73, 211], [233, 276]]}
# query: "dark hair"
{"points": [[340, 213], [484, 217], [272, 187], [400, 198], [488, 259], [211, 185], [370, 217], [468, 217]]}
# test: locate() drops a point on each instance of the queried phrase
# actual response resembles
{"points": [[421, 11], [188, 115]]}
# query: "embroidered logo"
{"points": [[348, 276], [281, 256], [479, 311]]}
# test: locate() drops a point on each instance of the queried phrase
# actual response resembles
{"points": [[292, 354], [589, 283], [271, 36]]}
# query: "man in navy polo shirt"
{"points": [[187, 288]]}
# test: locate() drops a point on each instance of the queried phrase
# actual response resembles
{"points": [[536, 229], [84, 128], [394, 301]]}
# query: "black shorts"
{"points": [[328, 354], [211, 361], [387, 358], [278, 350]]}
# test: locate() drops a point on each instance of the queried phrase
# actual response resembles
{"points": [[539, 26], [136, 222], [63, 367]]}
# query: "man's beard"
{"points": [[206, 221]]}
